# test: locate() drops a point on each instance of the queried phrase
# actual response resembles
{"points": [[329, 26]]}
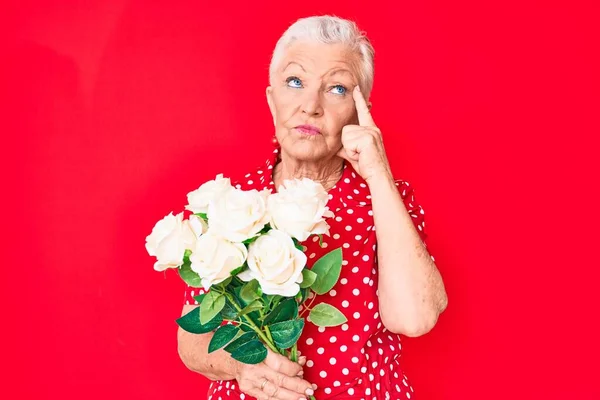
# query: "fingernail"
{"points": [[309, 392], [314, 385]]}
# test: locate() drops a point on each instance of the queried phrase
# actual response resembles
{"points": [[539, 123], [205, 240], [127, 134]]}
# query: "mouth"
{"points": [[308, 130]]}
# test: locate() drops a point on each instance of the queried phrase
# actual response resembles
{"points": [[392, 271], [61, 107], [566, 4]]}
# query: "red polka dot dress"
{"points": [[359, 359]]}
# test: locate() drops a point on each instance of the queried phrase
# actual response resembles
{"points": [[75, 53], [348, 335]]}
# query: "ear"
{"points": [[269, 93]]}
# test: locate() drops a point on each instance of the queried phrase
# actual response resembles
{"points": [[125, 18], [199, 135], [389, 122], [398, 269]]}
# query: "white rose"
{"points": [[299, 209], [238, 215], [197, 225], [200, 198], [168, 241], [214, 258], [276, 263]]}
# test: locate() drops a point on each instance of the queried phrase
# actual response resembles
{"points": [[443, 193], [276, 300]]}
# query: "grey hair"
{"points": [[329, 29]]}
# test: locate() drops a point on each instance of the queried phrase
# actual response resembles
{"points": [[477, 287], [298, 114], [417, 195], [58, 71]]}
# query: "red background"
{"points": [[113, 111]]}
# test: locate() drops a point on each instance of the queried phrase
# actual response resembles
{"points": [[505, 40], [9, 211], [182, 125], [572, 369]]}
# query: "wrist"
{"points": [[381, 177]]}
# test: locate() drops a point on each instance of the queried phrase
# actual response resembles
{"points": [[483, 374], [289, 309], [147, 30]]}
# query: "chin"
{"points": [[305, 150]]}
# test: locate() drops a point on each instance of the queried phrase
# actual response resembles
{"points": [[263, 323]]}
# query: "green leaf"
{"points": [[275, 299], [237, 270], [222, 336], [189, 276], [241, 340], [254, 306], [328, 270], [202, 215], [252, 352], [237, 297], [308, 278], [286, 333], [199, 297], [285, 311], [248, 242], [253, 315], [302, 295], [249, 291], [237, 282], [190, 322], [212, 305], [228, 312], [321, 241], [225, 282], [326, 315], [245, 327], [298, 245]]}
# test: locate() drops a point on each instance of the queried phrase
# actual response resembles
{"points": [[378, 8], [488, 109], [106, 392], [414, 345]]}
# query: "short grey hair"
{"points": [[328, 29]]}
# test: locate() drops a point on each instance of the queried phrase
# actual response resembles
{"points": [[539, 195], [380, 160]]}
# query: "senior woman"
{"points": [[321, 76]]}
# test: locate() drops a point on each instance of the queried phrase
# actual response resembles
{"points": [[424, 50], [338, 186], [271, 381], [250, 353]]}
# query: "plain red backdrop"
{"points": [[113, 111]]}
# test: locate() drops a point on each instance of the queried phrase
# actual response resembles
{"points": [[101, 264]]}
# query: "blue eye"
{"points": [[294, 79], [342, 89]]}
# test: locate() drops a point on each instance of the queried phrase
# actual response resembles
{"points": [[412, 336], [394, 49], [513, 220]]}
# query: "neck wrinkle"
{"points": [[327, 173]]}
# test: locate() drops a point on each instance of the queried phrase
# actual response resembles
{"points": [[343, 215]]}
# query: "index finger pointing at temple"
{"points": [[362, 109]]}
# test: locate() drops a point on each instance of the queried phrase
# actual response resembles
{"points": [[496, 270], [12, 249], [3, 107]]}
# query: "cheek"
{"points": [[285, 103], [338, 117]]}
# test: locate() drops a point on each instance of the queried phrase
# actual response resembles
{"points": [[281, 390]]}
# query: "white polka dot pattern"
{"points": [[359, 359]]}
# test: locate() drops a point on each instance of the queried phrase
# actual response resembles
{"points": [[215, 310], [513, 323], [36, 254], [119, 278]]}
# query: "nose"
{"points": [[311, 103]]}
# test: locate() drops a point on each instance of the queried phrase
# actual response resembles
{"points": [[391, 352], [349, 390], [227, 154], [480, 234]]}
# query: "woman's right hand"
{"points": [[274, 378]]}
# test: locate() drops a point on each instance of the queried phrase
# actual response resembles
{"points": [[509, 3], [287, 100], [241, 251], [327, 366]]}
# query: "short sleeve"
{"points": [[415, 210], [189, 293]]}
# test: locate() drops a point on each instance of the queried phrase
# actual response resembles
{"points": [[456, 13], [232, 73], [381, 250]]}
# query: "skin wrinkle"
{"points": [[410, 286], [313, 103]]}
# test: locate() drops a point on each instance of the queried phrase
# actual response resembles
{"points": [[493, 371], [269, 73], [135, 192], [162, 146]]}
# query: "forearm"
{"points": [[193, 351], [411, 290]]}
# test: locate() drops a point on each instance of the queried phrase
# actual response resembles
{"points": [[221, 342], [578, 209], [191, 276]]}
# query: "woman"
{"points": [[321, 75]]}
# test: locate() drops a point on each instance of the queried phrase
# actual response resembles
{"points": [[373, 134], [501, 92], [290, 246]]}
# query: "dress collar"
{"points": [[350, 191]]}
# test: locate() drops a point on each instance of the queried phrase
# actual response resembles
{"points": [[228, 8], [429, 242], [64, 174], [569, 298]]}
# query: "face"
{"points": [[313, 87]]}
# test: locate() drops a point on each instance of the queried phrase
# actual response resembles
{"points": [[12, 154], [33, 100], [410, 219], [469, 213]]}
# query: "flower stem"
{"points": [[307, 307], [294, 353], [270, 337], [259, 332]]}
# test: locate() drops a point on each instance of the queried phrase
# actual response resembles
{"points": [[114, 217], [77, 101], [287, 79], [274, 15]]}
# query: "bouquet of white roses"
{"points": [[245, 249]]}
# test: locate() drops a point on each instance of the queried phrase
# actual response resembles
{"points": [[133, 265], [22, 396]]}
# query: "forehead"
{"points": [[319, 58]]}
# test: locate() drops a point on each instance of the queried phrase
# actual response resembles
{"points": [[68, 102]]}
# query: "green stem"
{"points": [[268, 332], [307, 307], [294, 354], [253, 325]]}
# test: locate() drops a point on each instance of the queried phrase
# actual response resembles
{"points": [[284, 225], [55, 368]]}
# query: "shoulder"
{"points": [[259, 177]]}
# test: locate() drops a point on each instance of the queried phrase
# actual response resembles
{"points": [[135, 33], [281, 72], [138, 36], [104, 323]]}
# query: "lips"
{"points": [[308, 129]]}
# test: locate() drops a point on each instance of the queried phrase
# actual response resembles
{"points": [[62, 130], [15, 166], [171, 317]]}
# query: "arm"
{"points": [[193, 351], [411, 290]]}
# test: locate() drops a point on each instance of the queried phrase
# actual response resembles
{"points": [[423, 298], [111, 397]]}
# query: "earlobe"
{"points": [[269, 93]]}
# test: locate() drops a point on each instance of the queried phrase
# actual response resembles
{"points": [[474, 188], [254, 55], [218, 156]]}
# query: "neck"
{"points": [[326, 172]]}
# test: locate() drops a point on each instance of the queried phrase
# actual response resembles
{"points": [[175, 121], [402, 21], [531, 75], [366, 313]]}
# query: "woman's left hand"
{"points": [[362, 145]]}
